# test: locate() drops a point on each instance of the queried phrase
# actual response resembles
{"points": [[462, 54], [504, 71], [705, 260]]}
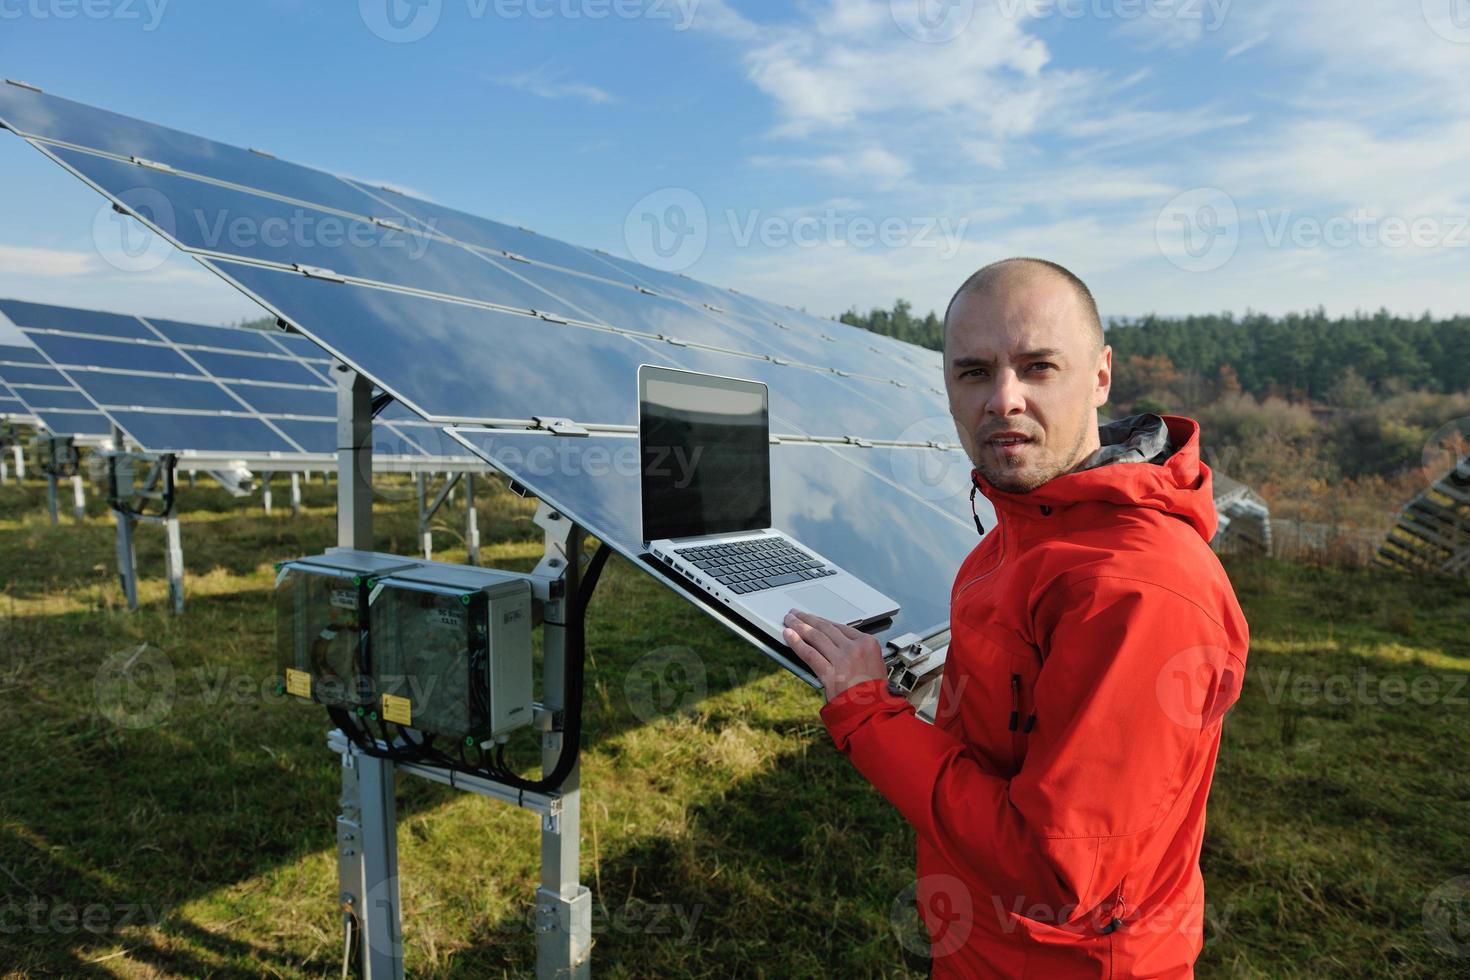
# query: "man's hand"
{"points": [[839, 655]]}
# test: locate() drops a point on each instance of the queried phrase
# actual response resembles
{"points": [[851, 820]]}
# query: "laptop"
{"points": [[705, 469]]}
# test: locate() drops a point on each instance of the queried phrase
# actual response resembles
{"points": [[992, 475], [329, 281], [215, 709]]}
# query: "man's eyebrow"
{"points": [[1027, 355]]}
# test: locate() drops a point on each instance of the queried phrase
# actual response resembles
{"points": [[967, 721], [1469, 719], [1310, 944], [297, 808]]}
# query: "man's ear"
{"points": [[1104, 377]]}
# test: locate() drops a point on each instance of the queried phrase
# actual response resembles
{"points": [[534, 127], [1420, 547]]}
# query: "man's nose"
{"points": [[1006, 398]]}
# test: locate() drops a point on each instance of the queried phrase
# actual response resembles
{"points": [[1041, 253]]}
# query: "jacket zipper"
{"points": [[1000, 557]]}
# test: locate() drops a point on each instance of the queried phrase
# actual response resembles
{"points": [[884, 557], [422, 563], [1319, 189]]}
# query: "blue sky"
{"points": [[1180, 155]]}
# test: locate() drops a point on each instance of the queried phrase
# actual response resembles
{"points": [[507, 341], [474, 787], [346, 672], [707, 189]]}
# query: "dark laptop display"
{"points": [[705, 452]]}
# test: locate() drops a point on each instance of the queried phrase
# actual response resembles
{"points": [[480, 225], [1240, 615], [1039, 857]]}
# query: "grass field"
{"points": [[722, 835]]}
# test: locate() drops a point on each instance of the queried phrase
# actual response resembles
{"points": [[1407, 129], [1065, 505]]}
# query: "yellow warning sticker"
{"points": [[397, 710], [298, 682]]}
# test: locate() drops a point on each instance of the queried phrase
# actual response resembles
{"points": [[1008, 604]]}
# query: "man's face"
{"points": [[1019, 358]]}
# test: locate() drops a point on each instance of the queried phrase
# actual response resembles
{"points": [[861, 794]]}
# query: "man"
{"points": [[1059, 797]]}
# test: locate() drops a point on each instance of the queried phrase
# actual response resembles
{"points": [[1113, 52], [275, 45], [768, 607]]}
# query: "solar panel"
{"points": [[46, 395], [10, 406], [495, 324]]}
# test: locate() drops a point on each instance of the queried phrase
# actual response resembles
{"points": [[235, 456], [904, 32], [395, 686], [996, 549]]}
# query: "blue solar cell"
{"points": [[121, 355], [244, 367], [43, 317], [826, 497], [51, 118], [65, 399], [127, 391], [12, 406], [42, 376], [268, 400], [75, 423], [226, 338], [313, 437], [160, 432], [15, 354]]}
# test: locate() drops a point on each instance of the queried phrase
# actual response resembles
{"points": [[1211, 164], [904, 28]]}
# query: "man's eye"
{"points": [[973, 372], [1043, 364]]}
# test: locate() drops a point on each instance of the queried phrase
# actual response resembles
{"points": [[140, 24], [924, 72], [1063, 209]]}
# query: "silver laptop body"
{"points": [[705, 473]]}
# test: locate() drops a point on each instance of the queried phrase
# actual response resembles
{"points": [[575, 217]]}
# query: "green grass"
{"points": [[722, 836]]}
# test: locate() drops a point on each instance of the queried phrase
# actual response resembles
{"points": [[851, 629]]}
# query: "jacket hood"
{"points": [[1145, 461]]}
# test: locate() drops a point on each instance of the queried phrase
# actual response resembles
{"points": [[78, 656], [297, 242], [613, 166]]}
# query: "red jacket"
{"points": [[1059, 797]]}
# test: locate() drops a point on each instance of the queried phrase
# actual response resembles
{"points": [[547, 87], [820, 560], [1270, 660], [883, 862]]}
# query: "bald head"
{"points": [[1020, 273]]}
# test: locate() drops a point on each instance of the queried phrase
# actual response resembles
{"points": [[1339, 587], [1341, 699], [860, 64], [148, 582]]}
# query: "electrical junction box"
{"points": [[58, 454], [322, 619], [451, 649]]}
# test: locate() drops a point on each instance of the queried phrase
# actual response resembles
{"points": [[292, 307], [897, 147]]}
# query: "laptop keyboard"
{"points": [[750, 566]]}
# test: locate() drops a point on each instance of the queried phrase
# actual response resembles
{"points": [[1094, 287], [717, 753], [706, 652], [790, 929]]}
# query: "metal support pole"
{"points": [[265, 491], [295, 494], [426, 537], [79, 497], [471, 520], [4, 470], [51, 495], [20, 462], [563, 906], [369, 879], [173, 558], [191, 479]]}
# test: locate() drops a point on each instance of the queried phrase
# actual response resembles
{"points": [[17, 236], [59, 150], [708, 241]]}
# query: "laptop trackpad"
{"points": [[824, 602]]}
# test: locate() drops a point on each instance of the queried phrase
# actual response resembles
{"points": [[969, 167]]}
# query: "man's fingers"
{"points": [[824, 627], [812, 635], [809, 655]]}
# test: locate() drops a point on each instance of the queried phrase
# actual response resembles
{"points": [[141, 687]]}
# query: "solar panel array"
{"points": [[467, 320], [1433, 531], [185, 387], [47, 395]]}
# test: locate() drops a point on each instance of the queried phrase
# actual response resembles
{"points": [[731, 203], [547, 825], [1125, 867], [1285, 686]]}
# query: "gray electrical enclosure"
{"points": [[451, 649]]}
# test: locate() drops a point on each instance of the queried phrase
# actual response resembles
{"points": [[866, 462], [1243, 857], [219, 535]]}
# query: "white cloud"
{"points": [[549, 85], [873, 161]]}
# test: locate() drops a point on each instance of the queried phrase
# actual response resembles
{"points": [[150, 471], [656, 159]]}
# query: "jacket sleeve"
{"points": [[1134, 678]]}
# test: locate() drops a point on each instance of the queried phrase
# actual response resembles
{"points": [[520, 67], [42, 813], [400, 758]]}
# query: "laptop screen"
{"points": [[704, 446]]}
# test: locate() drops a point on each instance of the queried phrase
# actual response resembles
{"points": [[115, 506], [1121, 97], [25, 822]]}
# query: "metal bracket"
{"points": [[642, 289], [391, 225], [558, 426], [317, 272], [860, 441], [514, 257], [712, 308], [153, 164], [673, 340], [548, 317], [25, 85]]}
